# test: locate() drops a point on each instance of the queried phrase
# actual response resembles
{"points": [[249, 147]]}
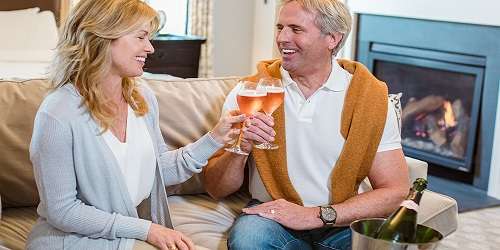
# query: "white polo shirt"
{"points": [[313, 139]]}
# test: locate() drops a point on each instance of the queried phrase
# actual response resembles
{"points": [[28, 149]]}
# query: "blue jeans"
{"points": [[255, 232]]}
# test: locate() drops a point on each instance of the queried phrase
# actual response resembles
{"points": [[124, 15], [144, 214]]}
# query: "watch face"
{"points": [[328, 213]]}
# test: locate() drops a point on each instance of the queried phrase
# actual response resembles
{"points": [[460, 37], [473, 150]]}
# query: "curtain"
{"points": [[201, 22]]}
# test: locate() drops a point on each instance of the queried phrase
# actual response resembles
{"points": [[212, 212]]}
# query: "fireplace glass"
{"points": [[437, 107]]}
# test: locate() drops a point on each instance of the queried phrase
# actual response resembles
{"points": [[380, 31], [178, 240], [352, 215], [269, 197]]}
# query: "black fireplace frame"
{"points": [[443, 61], [479, 42]]}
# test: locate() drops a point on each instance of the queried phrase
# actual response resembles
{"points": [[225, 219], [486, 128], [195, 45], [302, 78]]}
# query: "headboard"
{"points": [[58, 7]]}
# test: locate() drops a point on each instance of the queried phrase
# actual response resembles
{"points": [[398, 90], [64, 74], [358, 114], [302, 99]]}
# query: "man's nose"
{"points": [[283, 35]]}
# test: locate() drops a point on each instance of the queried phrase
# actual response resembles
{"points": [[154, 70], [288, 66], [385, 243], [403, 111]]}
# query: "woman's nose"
{"points": [[149, 47]]}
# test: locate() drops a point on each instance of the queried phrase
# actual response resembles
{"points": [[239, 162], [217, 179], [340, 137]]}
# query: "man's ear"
{"points": [[334, 40]]}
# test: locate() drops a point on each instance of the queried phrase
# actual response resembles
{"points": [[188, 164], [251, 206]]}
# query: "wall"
{"points": [[484, 12], [233, 37], [264, 46], [264, 28], [494, 185]]}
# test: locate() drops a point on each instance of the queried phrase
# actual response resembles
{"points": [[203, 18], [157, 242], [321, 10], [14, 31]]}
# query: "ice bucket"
{"points": [[363, 237]]}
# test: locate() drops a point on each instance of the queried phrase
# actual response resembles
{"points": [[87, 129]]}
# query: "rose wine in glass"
{"points": [[274, 98], [250, 100]]}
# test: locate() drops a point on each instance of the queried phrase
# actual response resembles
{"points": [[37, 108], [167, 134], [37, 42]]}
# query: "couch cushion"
{"points": [[189, 108], [19, 101], [15, 226], [205, 220], [28, 29]]}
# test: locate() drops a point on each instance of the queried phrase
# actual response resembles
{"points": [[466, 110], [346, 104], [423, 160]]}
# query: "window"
{"points": [[176, 12]]}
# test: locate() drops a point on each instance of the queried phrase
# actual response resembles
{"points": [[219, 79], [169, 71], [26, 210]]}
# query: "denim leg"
{"points": [[337, 238], [255, 232]]}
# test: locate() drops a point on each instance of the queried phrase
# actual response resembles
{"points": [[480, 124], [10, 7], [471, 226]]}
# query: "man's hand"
{"points": [[259, 128], [288, 214]]}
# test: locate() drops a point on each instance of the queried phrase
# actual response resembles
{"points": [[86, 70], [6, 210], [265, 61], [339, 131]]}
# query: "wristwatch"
{"points": [[328, 215]]}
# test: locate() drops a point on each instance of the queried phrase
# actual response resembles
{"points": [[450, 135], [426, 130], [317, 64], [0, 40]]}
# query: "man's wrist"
{"points": [[316, 221]]}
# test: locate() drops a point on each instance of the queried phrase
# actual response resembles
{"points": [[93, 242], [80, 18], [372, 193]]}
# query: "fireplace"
{"points": [[440, 102], [448, 74]]}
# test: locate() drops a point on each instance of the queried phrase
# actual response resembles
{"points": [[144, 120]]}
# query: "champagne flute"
{"points": [[250, 100], [274, 98]]}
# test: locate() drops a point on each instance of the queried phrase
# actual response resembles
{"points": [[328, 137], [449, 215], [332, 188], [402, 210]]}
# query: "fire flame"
{"points": [[449, 117]]}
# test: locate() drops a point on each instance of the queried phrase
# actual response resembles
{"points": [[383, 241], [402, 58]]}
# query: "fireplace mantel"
{"points": [[482, 12]]}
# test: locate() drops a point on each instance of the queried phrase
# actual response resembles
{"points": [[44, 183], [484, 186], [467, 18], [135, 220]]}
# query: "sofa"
{"points": [[188, 109]]}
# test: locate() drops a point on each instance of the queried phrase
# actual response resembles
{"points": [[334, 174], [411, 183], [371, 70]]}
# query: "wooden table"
{"points": [[175, 55]]}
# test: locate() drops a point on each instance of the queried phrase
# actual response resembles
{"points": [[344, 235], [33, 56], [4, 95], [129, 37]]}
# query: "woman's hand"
{"points": [[227, 129], [168, 239]]}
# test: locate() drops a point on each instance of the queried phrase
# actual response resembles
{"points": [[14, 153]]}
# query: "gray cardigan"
{"points": [[84, 203]]}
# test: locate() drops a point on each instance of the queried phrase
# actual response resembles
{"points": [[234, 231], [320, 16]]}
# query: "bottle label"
{"points": [[410, 205]]}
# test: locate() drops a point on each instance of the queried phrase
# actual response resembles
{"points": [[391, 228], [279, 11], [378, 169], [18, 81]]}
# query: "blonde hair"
{"points": [[331, 16], [83, 54]]}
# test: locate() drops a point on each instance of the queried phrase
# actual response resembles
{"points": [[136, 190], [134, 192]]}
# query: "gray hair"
{"points": [[331, 16]]}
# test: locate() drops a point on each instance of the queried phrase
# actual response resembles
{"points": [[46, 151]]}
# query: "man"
{"points": [[334, 129]]}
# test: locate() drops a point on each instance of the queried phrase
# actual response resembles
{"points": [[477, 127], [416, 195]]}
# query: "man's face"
{"points": [[302, 46]]}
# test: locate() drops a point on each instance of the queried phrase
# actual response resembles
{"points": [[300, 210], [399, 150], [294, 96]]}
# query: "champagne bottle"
{"points": [[401, 226]]}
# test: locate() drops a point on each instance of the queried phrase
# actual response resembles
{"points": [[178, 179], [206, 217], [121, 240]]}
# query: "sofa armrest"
{"points": [[417, 168], [439, 212]]}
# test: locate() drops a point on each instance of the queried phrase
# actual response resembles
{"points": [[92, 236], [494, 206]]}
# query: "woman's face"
{"points": [[129, 53]]}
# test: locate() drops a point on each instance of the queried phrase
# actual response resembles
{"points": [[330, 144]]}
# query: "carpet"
{"points": [[477, 230]]}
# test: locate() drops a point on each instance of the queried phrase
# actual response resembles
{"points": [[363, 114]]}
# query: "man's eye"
{"points": [[296, 30]]}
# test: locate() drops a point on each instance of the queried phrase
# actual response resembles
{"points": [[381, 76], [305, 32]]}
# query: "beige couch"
{"points": [[189, 108]]}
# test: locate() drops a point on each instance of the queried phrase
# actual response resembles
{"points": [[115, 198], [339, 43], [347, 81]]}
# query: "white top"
{"points": [[313, 138], [135, 157]]}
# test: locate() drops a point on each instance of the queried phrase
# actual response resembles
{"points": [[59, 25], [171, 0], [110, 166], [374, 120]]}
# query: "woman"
{"points": [[97, 149]]}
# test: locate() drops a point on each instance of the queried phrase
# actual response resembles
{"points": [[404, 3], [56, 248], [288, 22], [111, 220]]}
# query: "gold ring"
{"points": [[272, 211], [172, 247]]}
